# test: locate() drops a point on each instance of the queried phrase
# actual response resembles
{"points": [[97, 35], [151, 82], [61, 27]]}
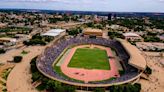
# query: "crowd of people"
{"points": [[45, 61]]}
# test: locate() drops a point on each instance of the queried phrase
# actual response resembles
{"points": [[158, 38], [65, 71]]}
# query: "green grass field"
{"points": [[90, 59]]}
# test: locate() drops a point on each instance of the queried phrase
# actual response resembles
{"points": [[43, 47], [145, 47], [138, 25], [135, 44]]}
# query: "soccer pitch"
{"points": [[88, 58]]}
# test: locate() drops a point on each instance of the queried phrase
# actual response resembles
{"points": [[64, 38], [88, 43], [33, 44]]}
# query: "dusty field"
{"points": [[156, 80], [19, 80]]}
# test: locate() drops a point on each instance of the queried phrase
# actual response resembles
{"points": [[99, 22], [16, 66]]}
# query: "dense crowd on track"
{"points": [[45, 61]]}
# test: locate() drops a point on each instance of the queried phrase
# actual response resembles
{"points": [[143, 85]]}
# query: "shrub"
{"points": [[126, 88], [99, 90], [24, 52], [34, 42], [74, 31], [6, 73], [114, 35], [121, 72], [17, 59], [36, 75], [151, 39], [148, 70], [2, 51]]}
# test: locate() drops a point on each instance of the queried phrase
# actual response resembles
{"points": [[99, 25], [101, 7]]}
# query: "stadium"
{"points": [[91, 62]]}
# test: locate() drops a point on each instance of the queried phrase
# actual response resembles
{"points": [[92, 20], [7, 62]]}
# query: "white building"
{"points": [[132, 36], [8, 41], [55, 32]]}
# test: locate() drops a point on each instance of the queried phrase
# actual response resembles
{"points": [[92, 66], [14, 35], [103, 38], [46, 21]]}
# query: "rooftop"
{"points": [[8, 39], [92, 30], [130, 34], [53, 32]]}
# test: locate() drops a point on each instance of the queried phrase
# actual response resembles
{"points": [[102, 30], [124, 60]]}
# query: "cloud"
{"points": [[31, 0], [161, 0], [88, 5]]}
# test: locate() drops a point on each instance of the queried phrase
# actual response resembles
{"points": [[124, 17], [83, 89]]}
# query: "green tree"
{"points": [[148, 70], [17, 59], [2, 51], [99, 90]]}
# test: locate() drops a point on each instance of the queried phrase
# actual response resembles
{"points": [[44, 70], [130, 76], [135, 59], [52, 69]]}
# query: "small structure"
{"points": [[132, 36], [8, 41], [22, 37], [150, 46], [55, 32], [161, 37], [90, 32], [2, 25], [115, 27]]}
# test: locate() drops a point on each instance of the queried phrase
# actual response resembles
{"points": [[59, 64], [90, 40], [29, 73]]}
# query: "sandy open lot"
{"points": [[19, 80], [156, 80]]}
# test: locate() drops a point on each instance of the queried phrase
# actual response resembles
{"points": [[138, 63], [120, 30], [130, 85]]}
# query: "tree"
{"points": [[114, 35], [99, 90], [74, 31], [148, 70], [151, 39], [69, 89], [17, 59], [2, 51], [126, 88], [34, 42]]}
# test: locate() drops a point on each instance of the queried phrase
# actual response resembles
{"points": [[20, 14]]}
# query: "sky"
{"points": [[88, 5]]}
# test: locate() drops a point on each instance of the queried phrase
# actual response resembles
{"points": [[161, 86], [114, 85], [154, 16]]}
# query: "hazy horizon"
{"points": [[87, 5]]}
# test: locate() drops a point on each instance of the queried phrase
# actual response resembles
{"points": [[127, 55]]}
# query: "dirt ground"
{"points": [[156, 80], [19, 80]]}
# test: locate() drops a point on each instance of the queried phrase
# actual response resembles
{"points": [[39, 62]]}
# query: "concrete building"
{"points": [[55, 32], [90, 32], [132, 36], [8, 41], [150, 46], [22, 37]]}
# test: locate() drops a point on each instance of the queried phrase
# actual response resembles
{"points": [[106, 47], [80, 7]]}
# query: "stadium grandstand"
{"points": [[129, 57]]}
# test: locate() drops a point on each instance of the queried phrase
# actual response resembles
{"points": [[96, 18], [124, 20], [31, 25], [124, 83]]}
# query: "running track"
{"points": [[89, 75]]}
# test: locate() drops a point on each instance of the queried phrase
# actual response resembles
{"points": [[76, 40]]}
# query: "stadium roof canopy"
{"points": [[136, 59], [53, 32]]}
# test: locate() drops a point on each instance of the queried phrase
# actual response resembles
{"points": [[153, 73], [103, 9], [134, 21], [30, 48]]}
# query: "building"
{"points": [[22, 37], [150, 46], [129, 57], [132, 36], [2, 25], [109, 16], [8, 41], [115, 27], [55, 32], [161, 37], [90, 32]]}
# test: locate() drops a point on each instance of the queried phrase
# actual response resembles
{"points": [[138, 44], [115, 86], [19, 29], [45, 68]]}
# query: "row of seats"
{"points": [[45, 60]]}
